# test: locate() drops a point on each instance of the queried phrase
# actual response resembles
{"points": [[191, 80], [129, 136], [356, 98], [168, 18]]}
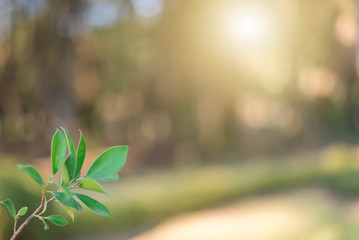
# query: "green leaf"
{"points": [[65, 175], [67, 199], [10, 206], [58, 151], [46, 227], [110, 178], [94, 205], [22, 211], [69, 211], [80, 157], [57, 219], [70, 143], [93, 185], [108, 163], [70, 165], [33, 173]]}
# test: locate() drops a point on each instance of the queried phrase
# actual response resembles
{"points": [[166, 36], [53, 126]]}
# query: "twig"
{"points": [[34, 214], [17, 218]]}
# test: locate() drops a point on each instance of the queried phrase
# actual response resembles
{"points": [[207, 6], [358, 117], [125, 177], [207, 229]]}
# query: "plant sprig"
{"points": [[68, 160]]}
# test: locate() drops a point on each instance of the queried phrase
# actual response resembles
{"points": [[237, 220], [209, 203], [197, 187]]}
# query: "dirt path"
{"points": [[309, 214], [301, 214]]}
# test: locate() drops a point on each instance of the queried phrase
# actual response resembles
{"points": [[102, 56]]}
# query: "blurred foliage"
{"points": [[169, 78]]}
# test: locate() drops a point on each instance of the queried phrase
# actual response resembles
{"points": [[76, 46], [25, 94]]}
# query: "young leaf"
{"points": [[108, 163], [46, 227], [58, 151], [94, 205], [70, 143], [69, 211], [33, 173], [80, 157], [22, 211], [110, 178], [64, 175], [70, 165], [67, 200], [57, 219], [93, 185], [10, 206]]}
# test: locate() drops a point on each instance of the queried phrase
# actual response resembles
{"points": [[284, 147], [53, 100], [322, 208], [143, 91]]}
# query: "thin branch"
{"points": [[50, 200], [15, 223], [34, 214]]}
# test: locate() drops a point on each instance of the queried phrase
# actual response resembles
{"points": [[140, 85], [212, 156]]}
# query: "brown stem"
{"points": [[34, 214], [17, 218]]}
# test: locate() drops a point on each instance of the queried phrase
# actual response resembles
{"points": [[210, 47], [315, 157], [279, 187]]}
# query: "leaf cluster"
{"points": [[67, 162]]}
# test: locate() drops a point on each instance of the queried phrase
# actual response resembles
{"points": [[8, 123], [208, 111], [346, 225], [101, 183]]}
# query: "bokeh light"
{"points": [[246, 25]]}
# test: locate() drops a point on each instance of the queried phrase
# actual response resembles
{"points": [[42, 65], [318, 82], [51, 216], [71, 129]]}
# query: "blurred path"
{"points": [[301, 214], [309, 214]]}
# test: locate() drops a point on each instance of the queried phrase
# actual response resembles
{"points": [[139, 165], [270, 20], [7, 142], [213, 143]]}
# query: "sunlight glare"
{"points": [[247, 25]]}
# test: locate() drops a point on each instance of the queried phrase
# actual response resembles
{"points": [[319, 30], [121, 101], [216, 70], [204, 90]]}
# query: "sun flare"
{"points": [[249, 25]]}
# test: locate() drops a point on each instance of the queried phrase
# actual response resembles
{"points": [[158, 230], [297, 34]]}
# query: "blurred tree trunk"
{"points": [[50, 53], [54, 57]]}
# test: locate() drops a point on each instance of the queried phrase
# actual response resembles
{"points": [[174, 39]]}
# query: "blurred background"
{"points": [[240, 115]]}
